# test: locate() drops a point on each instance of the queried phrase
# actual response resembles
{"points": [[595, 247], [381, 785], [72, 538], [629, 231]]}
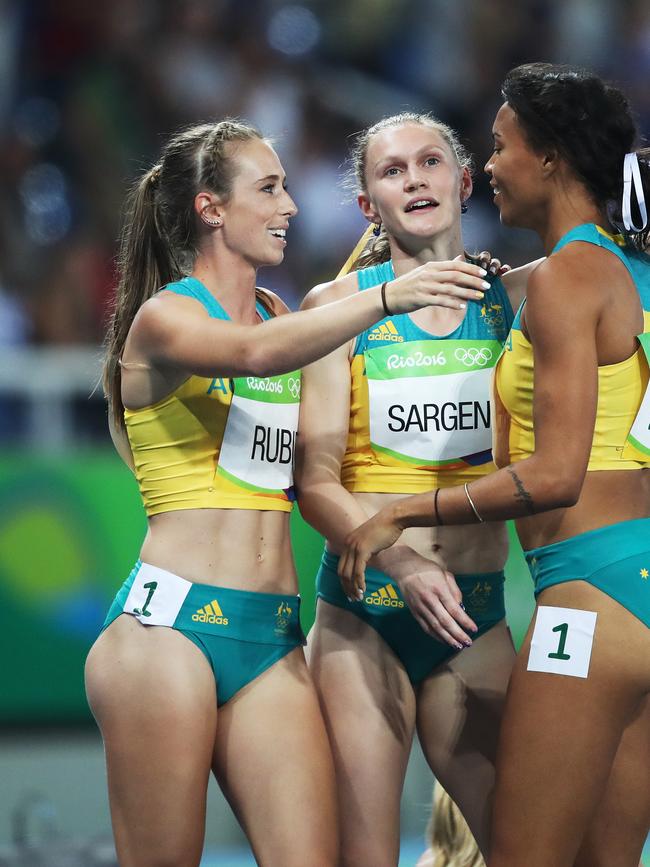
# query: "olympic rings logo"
{"points": [[294, 387], [473, 356]]}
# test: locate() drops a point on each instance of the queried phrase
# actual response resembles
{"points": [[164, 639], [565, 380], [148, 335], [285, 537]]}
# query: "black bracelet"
{"points": [[439, 521], [383, 299]]}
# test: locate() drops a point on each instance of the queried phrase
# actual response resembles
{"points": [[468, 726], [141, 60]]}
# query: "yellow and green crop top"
{"points": [[622, 431], [217, 443], [420, 413]]}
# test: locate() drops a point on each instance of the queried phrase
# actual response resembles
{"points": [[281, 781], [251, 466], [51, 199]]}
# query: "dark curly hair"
{"points": [[588, 121]]}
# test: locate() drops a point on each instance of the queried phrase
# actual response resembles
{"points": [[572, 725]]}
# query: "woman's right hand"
{"points": [[441, 284], [432, 595]]}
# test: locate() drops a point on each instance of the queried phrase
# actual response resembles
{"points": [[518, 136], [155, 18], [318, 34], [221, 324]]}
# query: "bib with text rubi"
{"points": [[259, 441], [639, 436], [430, 400]]}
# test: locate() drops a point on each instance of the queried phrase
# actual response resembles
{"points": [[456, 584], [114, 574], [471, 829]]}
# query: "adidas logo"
{"points": [[385, 597], [386, 331], [211, 613]]}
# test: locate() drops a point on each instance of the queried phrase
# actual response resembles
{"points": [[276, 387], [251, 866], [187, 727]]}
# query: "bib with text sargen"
{"points": [[430, 400], [259, 441]]}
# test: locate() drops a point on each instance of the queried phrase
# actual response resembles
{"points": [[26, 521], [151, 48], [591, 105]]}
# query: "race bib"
{"points": [[259, 441], [562, 641], [156, 596], [430, 400]]}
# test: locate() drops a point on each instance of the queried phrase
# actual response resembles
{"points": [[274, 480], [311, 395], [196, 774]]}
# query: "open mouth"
{"points": [[279, 233], [421, 205]]}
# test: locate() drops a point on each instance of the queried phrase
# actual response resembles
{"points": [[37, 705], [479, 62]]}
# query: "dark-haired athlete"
{"points": [[573, 441]]}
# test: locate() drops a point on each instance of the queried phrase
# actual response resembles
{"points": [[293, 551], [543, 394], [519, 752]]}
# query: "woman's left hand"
{"points": [[380, 532]]}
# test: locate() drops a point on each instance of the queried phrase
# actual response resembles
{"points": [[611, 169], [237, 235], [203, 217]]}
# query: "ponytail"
{"points": [[145, 264], [374, 253]]}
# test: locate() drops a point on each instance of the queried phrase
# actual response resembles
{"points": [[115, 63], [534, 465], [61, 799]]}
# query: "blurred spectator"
{"points": [[89, 91]]}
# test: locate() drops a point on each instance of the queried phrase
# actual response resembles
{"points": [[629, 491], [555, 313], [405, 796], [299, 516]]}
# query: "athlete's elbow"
{"points": [[259, 361], [562, 498], [306, 500], [561, 489]]}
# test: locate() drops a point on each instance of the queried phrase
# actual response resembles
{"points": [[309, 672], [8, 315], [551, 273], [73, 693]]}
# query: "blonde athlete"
{"points": [[200, 665], [573, 441], [403, 408], [451, 842]]}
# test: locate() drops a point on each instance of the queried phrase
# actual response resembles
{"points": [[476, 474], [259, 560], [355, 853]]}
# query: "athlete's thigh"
{"points": [[273, 762], [620, 825], [153, 695], [369, 710], [560, 732], [459, 710]]}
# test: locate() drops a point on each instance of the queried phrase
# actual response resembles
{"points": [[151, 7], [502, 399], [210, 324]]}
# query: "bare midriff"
{"points": [[243, 549], [607, 497]]}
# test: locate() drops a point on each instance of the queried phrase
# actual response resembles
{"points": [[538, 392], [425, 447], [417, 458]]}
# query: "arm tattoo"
{"points": [[522, 494]]}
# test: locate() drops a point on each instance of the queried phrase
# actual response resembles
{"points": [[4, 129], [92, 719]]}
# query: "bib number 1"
{"points": [[563, 629], [151, 587], [562, 641]]}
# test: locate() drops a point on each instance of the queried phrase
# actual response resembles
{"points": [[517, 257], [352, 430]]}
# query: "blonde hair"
{"points": [[378, 250], [452, 843]]}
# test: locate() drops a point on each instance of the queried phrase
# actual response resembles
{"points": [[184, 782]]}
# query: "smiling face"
{"points": [[414, 185], [516, 172], [255, 218]]}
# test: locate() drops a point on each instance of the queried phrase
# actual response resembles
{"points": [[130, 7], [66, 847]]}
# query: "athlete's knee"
{"points": [[323, 856], [183, 851], [168, 858], [367, 853]]}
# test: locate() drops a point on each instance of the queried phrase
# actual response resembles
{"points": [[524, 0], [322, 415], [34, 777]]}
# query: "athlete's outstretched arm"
{"points": [[176, 330]]}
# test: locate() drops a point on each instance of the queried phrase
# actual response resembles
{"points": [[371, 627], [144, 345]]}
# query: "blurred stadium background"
{"points": [[88, 92]]}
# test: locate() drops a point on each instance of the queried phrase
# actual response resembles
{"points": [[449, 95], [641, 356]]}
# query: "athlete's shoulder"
{"points": [[160, 312], [515, 282], [573, 282], [334, 290]]}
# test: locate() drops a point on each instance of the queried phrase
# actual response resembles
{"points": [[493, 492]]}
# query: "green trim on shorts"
{"points": [[241, 633], [385, 610], [615, 559]]}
